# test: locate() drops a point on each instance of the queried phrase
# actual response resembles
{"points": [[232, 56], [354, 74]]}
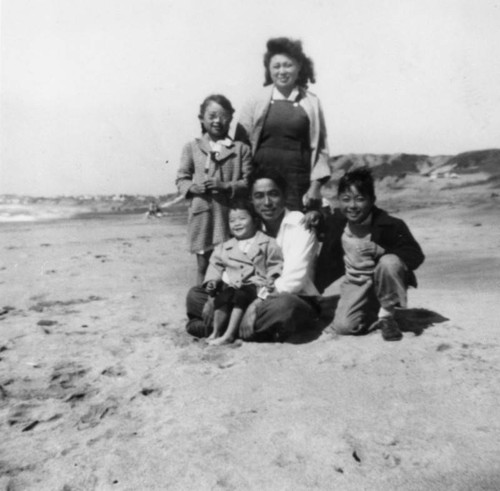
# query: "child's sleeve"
{"points": [[185, 173], [406, 247], [215, 267], [274, 261]]}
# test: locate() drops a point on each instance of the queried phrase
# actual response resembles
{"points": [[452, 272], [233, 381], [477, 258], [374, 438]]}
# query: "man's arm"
{"points": [[300, 247]]}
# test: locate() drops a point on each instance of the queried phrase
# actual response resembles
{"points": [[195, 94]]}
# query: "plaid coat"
{"points": [[208, 213]]}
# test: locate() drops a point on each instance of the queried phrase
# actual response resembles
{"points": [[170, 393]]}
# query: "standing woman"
{"points": [[285, 126]]}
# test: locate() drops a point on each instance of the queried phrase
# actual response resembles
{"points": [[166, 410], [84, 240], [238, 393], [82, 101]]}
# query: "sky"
{"points": [[99, 96]]}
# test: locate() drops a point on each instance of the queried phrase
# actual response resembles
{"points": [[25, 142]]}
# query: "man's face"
{"points": [[268, 200]]}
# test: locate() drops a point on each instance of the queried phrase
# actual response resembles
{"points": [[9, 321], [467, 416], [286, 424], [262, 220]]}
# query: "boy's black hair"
{"points": [[268, 173], [361, 178], [245, 204]]}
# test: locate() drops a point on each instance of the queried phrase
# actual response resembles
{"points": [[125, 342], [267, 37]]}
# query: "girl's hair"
{"points": [[293, 49], [244, 204], [272, 175], [219, 99], [361, 178]]}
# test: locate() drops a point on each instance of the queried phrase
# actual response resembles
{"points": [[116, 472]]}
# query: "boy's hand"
{"points": [[371, 249], [198, 189], [214, 184]]}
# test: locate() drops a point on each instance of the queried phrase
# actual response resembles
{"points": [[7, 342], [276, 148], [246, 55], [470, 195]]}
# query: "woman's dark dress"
{"points": [[284, 146]]}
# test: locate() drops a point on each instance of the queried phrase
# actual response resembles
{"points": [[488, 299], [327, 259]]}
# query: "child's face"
{"points": [[355, 206], [216, 121], [241, 224]]}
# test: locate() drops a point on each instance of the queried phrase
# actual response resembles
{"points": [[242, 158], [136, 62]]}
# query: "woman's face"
{"points": [[284, 72]]}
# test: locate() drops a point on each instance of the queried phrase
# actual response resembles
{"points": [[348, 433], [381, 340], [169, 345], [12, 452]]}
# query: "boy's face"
{"points": [[355, 206], [241, 224]]}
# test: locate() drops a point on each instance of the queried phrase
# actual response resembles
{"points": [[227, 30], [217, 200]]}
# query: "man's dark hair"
{"points": [[268, 173], [361, 178]]}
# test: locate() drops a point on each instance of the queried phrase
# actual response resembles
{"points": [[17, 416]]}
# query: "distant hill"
{"points": [[398, 165]]}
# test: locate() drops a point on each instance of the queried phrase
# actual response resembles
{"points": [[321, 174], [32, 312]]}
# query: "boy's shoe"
{"points": [[390, 329]]}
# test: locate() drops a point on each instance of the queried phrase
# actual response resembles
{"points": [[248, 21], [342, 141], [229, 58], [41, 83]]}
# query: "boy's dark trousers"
{"points": [[358, 306]]}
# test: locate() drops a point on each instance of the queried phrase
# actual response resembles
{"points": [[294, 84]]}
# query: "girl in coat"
{"points": [[240, 269], [213, 170]]}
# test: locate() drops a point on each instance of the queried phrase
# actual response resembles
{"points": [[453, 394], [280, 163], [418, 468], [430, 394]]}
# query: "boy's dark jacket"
{"points": [[387, 231]]}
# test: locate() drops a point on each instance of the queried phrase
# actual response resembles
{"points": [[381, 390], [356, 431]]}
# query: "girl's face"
{"points": [[241, 224], [284, 72], [355, 206], [215, 121]]}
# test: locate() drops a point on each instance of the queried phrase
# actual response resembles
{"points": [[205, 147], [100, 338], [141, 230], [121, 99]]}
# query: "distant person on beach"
{"points": [[285, 126], [376, 252], [292, 307], [241, 268], [213, 170], [154, 210]]}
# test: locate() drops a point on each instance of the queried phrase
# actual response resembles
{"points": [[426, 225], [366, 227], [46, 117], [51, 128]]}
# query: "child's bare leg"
{"points": [[220, 320], [234, 323]]}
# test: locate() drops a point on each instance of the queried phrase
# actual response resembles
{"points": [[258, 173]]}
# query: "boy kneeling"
{"points": [[376, 252]]}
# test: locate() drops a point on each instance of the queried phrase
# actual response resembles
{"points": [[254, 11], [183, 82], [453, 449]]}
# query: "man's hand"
{"points": [[311, 220], [211, 287], [248, 322], [208, 313]]}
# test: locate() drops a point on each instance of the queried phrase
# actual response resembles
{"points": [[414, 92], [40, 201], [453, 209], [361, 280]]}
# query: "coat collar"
{"points": [[227, 148], [231, 246]]}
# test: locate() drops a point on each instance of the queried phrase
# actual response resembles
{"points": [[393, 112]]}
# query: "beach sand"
{"points": [[101, 388]]}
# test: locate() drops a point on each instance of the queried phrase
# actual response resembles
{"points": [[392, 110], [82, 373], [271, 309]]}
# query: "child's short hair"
{"points": [[361, 178], [244, 204]]}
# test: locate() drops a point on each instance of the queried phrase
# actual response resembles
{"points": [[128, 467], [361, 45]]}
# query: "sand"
{"points": [[100, 387]]}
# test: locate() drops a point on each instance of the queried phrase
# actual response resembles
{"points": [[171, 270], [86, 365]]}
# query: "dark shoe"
{"points": [[390, 329]]}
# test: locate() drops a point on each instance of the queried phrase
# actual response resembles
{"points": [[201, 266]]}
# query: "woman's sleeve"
{"points": [[245, 123], [320, 169], [245, 166], [185, 173]]}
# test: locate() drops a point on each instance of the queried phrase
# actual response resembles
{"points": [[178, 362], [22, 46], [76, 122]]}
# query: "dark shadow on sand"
{"points": [[409, 320]]}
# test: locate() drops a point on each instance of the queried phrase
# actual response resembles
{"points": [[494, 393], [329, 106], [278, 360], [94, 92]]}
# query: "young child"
{"points": [[240, 269], [376, 252], [213, 170]]}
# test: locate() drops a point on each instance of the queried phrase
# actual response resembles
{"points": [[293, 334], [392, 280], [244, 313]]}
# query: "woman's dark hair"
{"points": [[293, 49], [245, 204], [271, 174], [361, 178], [219, 99]]}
